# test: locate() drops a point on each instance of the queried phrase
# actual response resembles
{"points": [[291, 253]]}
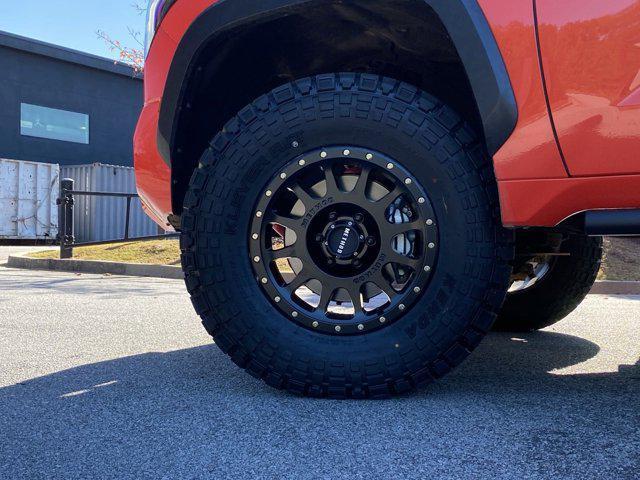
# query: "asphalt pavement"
{"points": [[113, 377]]}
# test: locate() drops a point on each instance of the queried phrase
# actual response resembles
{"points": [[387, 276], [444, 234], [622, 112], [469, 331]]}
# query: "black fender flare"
{"points": [[463, 19]]}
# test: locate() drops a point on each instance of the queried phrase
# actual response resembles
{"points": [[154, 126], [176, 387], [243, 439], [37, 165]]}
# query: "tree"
{"points": [[133, 56]]}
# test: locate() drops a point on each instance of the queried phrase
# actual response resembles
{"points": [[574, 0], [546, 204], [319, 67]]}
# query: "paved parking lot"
{"points": [[111, 377]]}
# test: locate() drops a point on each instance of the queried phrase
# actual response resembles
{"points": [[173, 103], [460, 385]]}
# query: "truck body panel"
{"points": [[536, 181]]}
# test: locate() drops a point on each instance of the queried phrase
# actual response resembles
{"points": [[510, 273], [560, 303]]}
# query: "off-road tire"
{"points": [[469, 282], [559, 292]]}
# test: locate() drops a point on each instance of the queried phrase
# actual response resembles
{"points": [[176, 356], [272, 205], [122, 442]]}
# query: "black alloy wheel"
{"points": [[344, 240]]}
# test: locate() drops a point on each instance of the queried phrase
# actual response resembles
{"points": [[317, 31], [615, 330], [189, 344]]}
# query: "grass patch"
{"points": [[155, 252], [621, 259]]}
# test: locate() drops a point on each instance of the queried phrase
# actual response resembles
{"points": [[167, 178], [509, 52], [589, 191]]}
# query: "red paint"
{"points": [[531, 152], [591, 57], [547, 202], [592, 66], [152, 174]]}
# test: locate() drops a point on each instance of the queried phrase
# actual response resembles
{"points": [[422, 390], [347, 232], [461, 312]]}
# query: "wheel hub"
{"points": [[344, 240]]}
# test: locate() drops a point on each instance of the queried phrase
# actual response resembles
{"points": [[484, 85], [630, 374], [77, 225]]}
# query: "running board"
{"points": [[612, 222]]}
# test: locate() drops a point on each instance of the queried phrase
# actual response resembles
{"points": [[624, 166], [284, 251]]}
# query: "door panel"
{"points": [[532, 150], [591, 58]]}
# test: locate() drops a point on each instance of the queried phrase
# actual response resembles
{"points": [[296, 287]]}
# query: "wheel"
{"points": [[341, 238], [550, 287]]}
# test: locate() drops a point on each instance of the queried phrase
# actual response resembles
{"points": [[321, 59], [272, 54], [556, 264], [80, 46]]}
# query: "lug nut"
{"points": [[371, 241], [358, 217], [333, 216], [319, 237], [361, 327], [315, 324], [357, 263]]}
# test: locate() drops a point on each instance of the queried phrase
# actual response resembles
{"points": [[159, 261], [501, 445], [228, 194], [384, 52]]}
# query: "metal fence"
{"points": [[66, 204], [99, 218]]}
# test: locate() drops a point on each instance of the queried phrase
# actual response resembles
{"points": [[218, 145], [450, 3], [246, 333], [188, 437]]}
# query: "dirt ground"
{"points": [[621, 259]]}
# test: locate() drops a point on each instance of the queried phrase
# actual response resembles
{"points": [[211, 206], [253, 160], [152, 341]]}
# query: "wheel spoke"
{"points": [[325, 298], [332, 182], [384, 284], [304, 196], [302, 278], [363, 180], [379, 207], [395, 257], [354, 293], [391, 230], [285, 252], [289, 222]]}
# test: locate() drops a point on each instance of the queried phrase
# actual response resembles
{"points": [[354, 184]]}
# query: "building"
{"points": [[63, 106]]}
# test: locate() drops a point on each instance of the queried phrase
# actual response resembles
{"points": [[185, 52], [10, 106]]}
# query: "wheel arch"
{"points": [[445, 47]]}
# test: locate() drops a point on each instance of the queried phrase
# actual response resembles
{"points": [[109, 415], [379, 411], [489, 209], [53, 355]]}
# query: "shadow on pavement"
{"points": [[193, 413], [106, 286]]}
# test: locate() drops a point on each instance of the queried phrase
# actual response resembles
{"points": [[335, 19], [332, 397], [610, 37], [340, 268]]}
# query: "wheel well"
{"points": [[402, 39]]}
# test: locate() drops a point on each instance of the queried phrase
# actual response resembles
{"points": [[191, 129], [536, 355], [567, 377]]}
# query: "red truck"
{"points": [[365, 188]]}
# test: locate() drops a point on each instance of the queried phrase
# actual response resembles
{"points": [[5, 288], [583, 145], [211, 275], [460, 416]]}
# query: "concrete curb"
{"points": [[604, 287], [98, 267], [609, 287]]}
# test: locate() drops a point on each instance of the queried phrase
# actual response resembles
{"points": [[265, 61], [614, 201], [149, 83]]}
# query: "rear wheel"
{"points": [[547, 288], [341, 238]]}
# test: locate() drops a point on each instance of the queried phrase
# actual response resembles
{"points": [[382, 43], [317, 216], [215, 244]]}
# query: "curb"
{"points": [[610, 287], [98, 267], [601, 287]]}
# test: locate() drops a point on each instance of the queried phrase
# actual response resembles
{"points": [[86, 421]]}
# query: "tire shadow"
{"points": [[192, 413]]}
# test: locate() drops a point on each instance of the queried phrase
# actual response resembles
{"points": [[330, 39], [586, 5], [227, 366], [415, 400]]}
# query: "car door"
{"points": [[590, 53]]}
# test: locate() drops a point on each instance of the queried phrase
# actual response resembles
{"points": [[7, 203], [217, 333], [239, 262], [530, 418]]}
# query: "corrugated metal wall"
{"points": [[28, 193], [99, 219]]}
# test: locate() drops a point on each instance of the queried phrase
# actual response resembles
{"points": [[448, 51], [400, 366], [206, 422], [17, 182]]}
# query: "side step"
{"points": [[612, 222]]}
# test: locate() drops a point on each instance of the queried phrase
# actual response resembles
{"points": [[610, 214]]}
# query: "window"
{"points": [[43, 122]]}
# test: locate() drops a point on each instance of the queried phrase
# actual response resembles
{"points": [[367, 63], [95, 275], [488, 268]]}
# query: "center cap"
{"points": [[343, 240]]}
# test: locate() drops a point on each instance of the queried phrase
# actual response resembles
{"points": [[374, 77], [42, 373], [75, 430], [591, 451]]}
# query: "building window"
{"points": [[43, 122]]}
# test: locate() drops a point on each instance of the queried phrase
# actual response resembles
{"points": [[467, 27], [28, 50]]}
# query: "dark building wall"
{"points": [[110, 94]]}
